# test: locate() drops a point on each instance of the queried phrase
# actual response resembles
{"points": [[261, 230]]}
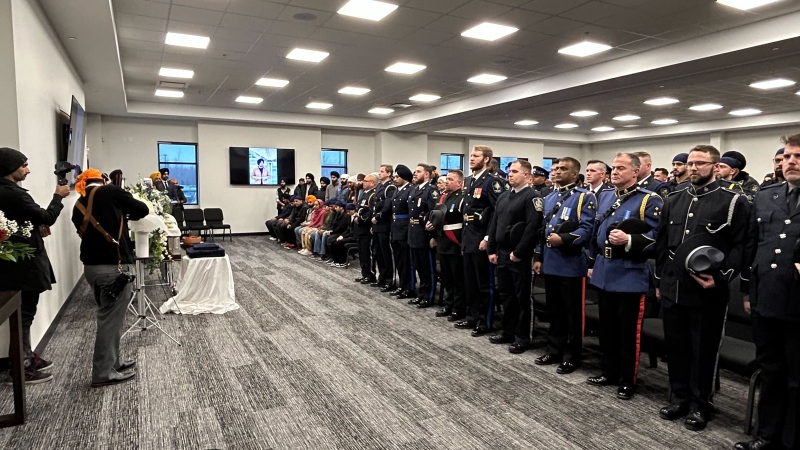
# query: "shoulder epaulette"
{"points": [[644, 191], [772, 186], [581, 189]]}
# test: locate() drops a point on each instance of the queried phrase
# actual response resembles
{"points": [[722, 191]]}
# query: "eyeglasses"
{"points": [[698, 164], [777, 160]]}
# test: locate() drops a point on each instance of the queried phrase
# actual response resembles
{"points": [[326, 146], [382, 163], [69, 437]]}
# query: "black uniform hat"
{"points": [[737, 156], [629, 226], [681, 158], [404, 172], [513, 235], [436, 218], [568, 226], [701, 253], [540, 171], [10, 160]]}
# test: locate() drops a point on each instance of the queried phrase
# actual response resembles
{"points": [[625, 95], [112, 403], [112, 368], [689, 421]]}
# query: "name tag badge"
{"points": [[419, 202], [477, 193]]}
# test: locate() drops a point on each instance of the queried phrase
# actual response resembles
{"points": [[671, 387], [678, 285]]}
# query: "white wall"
{"points": [[446, 144], [45, 84], [559, 150], [662, 150], [360, 149], [9, 126], [759, 147], [534, 151], [395, 148]]}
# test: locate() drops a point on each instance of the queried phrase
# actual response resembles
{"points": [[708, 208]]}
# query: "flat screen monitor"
{"points": [[76, 139], [261, 166]]}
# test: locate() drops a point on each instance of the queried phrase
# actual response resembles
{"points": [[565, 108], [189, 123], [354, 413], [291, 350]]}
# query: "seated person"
{"points": [[311, 200], [317, 219], [331, 217], [344, 241], [338, 226], [273, 223], [296, 217]]}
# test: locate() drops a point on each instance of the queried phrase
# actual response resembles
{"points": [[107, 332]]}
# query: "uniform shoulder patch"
{"points": [[434, 193], [664, 191], [538, 204], [497, 187], [754, 188]]}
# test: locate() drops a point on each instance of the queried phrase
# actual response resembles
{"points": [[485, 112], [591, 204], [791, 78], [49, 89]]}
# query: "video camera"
{"points": [[62, 169]]}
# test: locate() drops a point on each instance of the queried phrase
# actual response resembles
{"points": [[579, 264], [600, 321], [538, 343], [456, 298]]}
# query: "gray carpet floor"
{"points": [[312, 360]]}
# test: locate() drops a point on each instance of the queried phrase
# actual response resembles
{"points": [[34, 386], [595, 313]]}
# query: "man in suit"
{"points": [[595, 176], [561, 259], [421, 201], [695, 307], [774, 281], [382, 227], [363, 220], [400, 251]]}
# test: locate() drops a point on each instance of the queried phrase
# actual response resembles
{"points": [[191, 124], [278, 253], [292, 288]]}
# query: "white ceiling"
{"points": [[698, 50]]}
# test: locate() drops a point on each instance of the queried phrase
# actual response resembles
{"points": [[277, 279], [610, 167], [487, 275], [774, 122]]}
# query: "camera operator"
{"points": [[106, 253], [34, 275]]}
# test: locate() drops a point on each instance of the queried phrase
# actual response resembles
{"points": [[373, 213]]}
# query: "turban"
{"points": [[311, 198], [86, 175]]}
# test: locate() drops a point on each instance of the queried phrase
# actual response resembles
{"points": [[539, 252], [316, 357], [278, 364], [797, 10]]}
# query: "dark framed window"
{"points": [[450, 161], [333, 159], [181, 160]]}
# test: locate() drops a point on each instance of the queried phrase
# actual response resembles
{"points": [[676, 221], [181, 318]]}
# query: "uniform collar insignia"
{"points": [[627, 191], [568, 187]]}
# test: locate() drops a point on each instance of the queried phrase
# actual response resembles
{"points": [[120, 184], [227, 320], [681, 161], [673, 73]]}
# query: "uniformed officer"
{"points": [[480, 196], [728, 167], [776, 177], [773, 241], [539, 178], [568, 225], [749, 184], [680, 175], [421, 201], [646, 179], [596, 176], [513, 235], [400, 251], [381, 228], [366, 203], [448, 247], [694, 310], [621, 272]]}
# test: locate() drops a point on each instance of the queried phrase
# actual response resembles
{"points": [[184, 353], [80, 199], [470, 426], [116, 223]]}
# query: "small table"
{"points": [[205, 286], [10, 308]]}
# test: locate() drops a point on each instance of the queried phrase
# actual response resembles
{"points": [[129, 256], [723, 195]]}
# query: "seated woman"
{"points": [[317, 219]]}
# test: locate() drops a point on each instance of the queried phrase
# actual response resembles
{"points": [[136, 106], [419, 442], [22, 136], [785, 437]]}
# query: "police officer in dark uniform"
{"points": [[481, 189], [568, 225], [622, 241], [680, 174], [776, 177], [773, 253], [538, 178], [694, 311], [400, 250], [448, 246], [749, 184], [646, 179], [421, 201], [381, 229], [366, 204]]}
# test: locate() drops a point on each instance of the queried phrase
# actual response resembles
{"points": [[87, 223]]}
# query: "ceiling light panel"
{"points": [[352, 90], [381, 111], [772, 84], [486, 78], [584, 113], [664, 122], [661, 101], [627, 117], [246, 99], [525, 123], [602, 129], [745, 4], [367, 9], [187, 40], [301, 54], [564, 126], [169, 93], [318, 105], [489, 31], [745, 112], [424, 98], [706, 107], [405, 68], [175, 73], [272, 82], [585, 48]]}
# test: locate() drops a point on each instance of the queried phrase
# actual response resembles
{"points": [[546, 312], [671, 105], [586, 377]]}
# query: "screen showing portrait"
{"points": [[261, 166]]}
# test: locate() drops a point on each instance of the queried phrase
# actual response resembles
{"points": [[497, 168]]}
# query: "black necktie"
{"points": [[794, 198]]}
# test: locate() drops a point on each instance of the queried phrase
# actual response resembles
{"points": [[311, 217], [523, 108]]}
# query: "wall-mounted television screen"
{"points": [[76, 139], [261, 166]]}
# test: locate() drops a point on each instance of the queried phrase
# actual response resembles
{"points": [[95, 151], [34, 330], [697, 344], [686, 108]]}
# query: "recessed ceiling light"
{"points": [[187, 40], [745, 112], [630, 126], [272, 82], [567, 125], [745, 4], [302, 54], [318, 105], [169, 93], [381, 111], [627, 117], [351, 90], [406, 68], [525, 123], [424, 98], [175, 73], [489, 31], [584, 48], [246, 99], [584, 113], [367, 9], [705, 107], [661, 101], [603, 129], [664, 122], [772, 84], [486, 78]]}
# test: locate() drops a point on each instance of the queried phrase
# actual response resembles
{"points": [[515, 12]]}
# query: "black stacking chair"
{"points": [[177, 213], [195, 221], [214, 220]]}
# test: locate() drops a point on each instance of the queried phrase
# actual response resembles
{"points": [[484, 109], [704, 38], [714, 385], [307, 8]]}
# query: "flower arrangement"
{"points": [[14, 251], [158, 203]]}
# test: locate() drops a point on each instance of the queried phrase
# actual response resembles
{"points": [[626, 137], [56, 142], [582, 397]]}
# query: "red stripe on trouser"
{"points": [[638, 338], [583, 309]]}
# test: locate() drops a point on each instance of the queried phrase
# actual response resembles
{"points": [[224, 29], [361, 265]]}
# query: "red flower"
{"points": [[3, 235]]}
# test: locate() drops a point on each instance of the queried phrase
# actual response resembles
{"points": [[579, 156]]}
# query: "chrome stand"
{"points": [[144, 310]]}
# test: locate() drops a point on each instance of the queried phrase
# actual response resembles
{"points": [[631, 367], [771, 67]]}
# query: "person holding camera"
{"points": [[101, 218], [34, 275]]}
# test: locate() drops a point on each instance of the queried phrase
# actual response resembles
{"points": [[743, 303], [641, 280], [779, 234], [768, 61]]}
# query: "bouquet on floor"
{"points": [[13, 240]]}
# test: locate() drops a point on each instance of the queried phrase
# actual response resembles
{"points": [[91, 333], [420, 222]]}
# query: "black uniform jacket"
{"points": [[421, 201], [453, 219], [382, 207], [400, 212], [480, 197], [364, 210], [512, 208]]}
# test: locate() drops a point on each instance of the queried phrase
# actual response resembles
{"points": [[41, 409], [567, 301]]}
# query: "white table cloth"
{"points": [[205, 286]]}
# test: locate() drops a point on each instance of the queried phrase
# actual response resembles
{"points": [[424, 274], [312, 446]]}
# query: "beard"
{"points": [[701, 180]]}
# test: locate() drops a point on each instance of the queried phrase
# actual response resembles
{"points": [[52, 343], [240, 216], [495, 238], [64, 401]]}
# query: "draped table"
{"points": [[205, 285]]}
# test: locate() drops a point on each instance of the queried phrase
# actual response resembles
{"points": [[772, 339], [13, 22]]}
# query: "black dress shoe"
{"points": [[697, 420], [118, 378], [126, 365], [674, 411], [425, 304], [388, 288], [455, 317], [758, 444], [359, 279], [601, 380], [465, 324], [546, 360], [413, 301], [479, 331], [501, 338], [444, 312], [379, 284], [402, 294], [368, 280], [625, 392], [567, 367], [517, 348]]}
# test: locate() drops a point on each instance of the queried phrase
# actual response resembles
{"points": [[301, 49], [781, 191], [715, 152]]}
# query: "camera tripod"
{"points": [[143, 309]]}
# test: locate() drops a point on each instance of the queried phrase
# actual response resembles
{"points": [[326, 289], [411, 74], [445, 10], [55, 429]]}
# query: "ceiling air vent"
{"points": [[171, 85], [399, 105]]}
